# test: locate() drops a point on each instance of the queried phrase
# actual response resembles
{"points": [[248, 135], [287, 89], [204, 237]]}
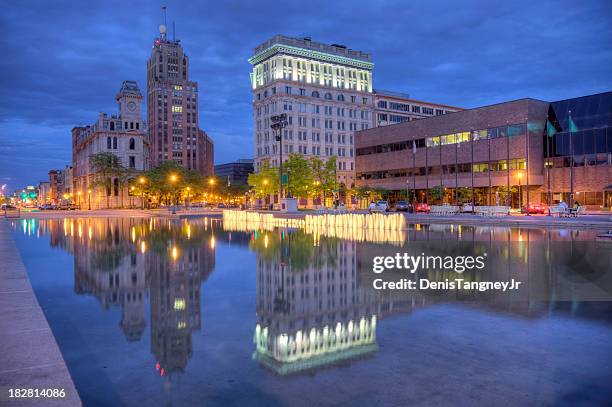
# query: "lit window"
{"points": [[177, 109]]}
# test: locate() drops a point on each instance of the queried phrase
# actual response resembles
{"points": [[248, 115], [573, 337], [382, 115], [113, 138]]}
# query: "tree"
{"points": [[435, 194], [265, 182], [464, 194], [504, 193], [106, 167], [168, 182], [299, 174]]}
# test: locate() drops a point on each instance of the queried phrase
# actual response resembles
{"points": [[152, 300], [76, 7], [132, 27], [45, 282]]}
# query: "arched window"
{"points": [[328, 96], [108, 143], [132, 144], [112, 126], [340, 98], [114, 143], [315, 94]]}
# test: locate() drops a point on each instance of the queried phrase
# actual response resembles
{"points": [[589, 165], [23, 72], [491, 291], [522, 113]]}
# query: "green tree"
{"points": [[265, 182], [435, 194], [168, 182], [504, 194], [106, 167], [299, 174]]}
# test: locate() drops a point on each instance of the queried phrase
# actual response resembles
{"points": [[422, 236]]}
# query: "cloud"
{"points": [[66, 61]]}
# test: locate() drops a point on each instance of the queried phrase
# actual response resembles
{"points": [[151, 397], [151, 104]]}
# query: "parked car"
{"points": [[68, 207], [535, 208], [422, 207], [221, 206], [402, 206], [47, 207], [8, 206], [380, 206]]}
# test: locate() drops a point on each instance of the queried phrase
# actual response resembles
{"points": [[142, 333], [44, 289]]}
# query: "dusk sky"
{"points": [[64, 61]]}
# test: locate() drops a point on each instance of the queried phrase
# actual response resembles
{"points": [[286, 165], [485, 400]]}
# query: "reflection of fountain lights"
{"points": [[143, 247], [80, 229], [174, 252], [133, 234], [188, 231], [213, 242], [376, 228], [90, 232], [266, 240]]}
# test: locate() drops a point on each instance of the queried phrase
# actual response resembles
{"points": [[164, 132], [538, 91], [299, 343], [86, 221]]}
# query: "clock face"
{"points": [[131, 106]]}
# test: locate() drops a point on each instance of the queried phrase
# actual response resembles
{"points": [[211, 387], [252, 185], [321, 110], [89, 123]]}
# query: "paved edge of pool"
{"points": [[29, 355]]}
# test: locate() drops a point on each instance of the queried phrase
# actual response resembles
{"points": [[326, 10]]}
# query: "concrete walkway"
{"points": [[29, 355]]}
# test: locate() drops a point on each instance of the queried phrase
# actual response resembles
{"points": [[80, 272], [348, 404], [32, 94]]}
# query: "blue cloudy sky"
{"points": [[64, 60]]}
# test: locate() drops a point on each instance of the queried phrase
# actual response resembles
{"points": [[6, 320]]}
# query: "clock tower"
{"points": [[129, 101]]}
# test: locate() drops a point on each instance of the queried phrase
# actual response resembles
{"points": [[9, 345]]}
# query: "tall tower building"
{"points": [[326, 92], [172, 106]]}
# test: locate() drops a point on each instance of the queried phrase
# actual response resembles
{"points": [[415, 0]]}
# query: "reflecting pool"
{"points": [[155, 312]]}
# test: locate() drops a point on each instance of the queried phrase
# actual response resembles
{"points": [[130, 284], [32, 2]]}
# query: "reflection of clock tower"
{"points": [[129, 101]]}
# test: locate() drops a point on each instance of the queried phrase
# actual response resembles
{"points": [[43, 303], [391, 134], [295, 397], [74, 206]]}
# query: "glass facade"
{"points": [[591, 140]]}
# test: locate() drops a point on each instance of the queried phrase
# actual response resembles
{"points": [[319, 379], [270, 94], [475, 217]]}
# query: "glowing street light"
{"points": [[89, 199], [142, 181]]}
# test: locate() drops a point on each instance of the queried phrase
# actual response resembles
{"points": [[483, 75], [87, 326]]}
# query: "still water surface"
{"points": [[149, 312]]}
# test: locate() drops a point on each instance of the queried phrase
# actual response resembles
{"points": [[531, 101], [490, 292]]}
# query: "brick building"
{"points": [[514, 146]]}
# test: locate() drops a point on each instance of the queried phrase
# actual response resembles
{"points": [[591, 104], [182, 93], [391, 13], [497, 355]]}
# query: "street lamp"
{"points": [[187, 203], [279, 122], [132, 188], [173, 179], [142, 181], [89, 199], [211, 183]]}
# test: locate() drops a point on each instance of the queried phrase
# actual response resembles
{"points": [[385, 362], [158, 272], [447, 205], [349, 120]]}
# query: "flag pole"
{"points": [[571, 148], [527, 163], [508, 194], [548, 197]]}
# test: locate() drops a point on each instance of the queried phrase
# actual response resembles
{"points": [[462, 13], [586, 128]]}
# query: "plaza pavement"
{"points": [[29, 355]]}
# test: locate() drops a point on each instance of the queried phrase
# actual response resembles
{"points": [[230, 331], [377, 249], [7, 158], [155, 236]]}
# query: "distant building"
{"points": [[236, 172], [206, 154], [123, 135], [394, 107], [53, 187], [172, 108], [44, 192]]}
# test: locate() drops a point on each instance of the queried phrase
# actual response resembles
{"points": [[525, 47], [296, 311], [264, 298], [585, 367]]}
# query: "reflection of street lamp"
{"points": [[141, 181], [89, 199]]}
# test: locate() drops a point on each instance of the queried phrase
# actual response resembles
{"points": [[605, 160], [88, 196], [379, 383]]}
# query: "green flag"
{"points": [[572, 126], [550, 129]]}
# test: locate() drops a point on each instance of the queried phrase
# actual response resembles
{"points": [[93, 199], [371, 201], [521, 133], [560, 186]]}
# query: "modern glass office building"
{"points": [[514, 152]]}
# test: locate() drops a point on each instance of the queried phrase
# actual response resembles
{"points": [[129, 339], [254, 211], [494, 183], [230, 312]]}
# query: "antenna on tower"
{"points": [[164, 10]]}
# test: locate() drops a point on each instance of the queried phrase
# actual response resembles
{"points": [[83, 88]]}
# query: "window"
{"points": [[132, 144], [114, 143], [132, 161], [116, 186], [177, 109], [328, 96], [108, 143], [112, 126], [340, 98], [315, 94]]}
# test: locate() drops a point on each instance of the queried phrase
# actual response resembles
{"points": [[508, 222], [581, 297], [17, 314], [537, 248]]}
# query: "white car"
{"points": [[380, 206]]}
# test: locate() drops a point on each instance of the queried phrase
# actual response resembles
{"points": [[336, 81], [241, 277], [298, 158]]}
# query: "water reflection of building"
{"points": [[313, 314], [175, 303], [121, 261], [109, 267]]}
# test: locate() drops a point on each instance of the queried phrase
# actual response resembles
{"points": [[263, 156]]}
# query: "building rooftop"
{"points": [[306, 47]]}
